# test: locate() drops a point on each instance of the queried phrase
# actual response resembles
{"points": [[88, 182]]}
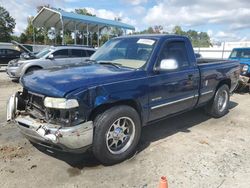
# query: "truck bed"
{"points": [[207, 60], [212, 71]]}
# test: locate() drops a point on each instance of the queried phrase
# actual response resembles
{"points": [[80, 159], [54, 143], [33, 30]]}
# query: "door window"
{"points": [[12, 52], [89, 52], [61, 54], [175, 50], [2, 52], [76, 53]]}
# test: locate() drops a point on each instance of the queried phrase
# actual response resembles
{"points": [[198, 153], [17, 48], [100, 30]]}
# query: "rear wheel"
{"points": [[117, 132], [219, 105]]}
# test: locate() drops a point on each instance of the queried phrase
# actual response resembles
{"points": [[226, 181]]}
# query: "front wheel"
{"points": [[117, 132], [219, 105]]}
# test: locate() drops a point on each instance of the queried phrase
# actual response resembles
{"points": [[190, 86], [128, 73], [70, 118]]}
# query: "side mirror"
{"points": [[26, 56], [51, 57], [168, 64]]}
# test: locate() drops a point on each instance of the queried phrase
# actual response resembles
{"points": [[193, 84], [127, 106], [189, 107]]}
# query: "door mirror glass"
{"points": [[168, 64], [26, 56], [51, 57]]}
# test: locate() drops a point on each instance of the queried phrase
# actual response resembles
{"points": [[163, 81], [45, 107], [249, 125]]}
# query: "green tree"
{"points": [[27, 35], [198, 39], [177, 30], [104, 38], [115, 31], [7, 25], [15, 38], [152, 30], [158, 28], [23, 38], [204, 39], [83, 11]]}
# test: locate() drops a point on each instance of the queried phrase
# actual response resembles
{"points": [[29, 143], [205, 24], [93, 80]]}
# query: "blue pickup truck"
{"points": [[129, 82], [243, 56]]}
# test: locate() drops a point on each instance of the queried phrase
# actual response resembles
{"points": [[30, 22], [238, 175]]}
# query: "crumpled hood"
{"points": [[60, 82]]}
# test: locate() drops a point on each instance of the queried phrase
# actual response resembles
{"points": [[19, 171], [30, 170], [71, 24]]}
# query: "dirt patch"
{"points": [[73, 172], [12, 152]]}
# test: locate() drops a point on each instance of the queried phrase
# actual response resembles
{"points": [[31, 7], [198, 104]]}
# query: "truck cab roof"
{"points": [[154, 36]]}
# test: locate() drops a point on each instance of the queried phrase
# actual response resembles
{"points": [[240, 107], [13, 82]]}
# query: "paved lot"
{"points": [[192, 150]]}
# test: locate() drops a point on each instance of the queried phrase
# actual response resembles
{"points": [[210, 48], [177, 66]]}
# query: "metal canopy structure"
{"points": [[61, 20]]}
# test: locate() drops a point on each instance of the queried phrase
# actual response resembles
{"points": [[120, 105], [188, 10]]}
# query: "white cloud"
{"points": [[103, 13], [107, 14], [139, 10], [225, 36], [136, 2], [232, 15], [210, 32]]}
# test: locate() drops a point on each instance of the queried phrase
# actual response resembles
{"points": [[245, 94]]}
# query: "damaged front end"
{"points": [[61, 128]]}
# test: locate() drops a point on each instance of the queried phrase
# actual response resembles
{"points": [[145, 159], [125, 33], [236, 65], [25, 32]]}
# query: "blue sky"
{"points": [[224, 20]]}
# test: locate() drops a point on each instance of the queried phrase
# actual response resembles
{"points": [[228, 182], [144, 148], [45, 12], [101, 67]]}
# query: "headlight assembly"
{"points": [[15, 63], [60, 103], [245, 68]]}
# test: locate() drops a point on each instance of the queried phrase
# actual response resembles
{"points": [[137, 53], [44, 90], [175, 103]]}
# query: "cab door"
{"points": [[77, 56], [61, 57], [176, 90]]}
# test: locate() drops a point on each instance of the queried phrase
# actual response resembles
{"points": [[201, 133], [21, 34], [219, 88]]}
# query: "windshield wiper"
{"points": [[117, 65]]}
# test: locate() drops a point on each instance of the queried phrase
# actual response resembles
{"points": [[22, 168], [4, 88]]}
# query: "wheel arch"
{"points": [[224, 82], [32, 66], [128, 102]]}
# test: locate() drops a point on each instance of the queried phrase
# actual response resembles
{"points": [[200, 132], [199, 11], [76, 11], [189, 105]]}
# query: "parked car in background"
{"points": [[129, 82], [48, 58], [8, 54], [16, 51], [243, 56]]}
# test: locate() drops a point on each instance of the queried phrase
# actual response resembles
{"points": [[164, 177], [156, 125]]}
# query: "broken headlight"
{"points": [[65, 117]]}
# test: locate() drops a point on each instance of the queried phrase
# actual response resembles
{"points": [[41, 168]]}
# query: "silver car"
{"points": [[48, 58]]}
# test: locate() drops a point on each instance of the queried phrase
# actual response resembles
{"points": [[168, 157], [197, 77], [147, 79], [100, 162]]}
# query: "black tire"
{"points": [[103, 124], [32, 69], [215, 108]]}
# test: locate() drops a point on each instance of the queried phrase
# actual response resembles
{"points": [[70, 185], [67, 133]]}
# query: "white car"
{"points": [[48, 58]]}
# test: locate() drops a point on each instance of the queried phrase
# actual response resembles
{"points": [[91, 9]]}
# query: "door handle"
{"points": [[190, 77]]}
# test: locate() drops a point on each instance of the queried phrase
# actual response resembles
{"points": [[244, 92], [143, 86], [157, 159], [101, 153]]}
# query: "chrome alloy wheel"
{"points": [[222, 101], [120, 135]]}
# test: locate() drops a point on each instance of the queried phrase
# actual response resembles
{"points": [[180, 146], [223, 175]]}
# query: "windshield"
{"points": [[43, 53], [241, 53], [127, 52]]}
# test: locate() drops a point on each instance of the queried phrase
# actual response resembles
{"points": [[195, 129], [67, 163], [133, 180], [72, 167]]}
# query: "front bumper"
{"points": [[72, 139], [13, 72]]}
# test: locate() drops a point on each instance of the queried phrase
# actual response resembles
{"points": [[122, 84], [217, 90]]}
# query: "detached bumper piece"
{"points": [[72, 139], [244, 80]]}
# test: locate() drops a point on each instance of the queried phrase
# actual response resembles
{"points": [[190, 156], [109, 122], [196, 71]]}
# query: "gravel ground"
{"points": [[192, 150]]}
